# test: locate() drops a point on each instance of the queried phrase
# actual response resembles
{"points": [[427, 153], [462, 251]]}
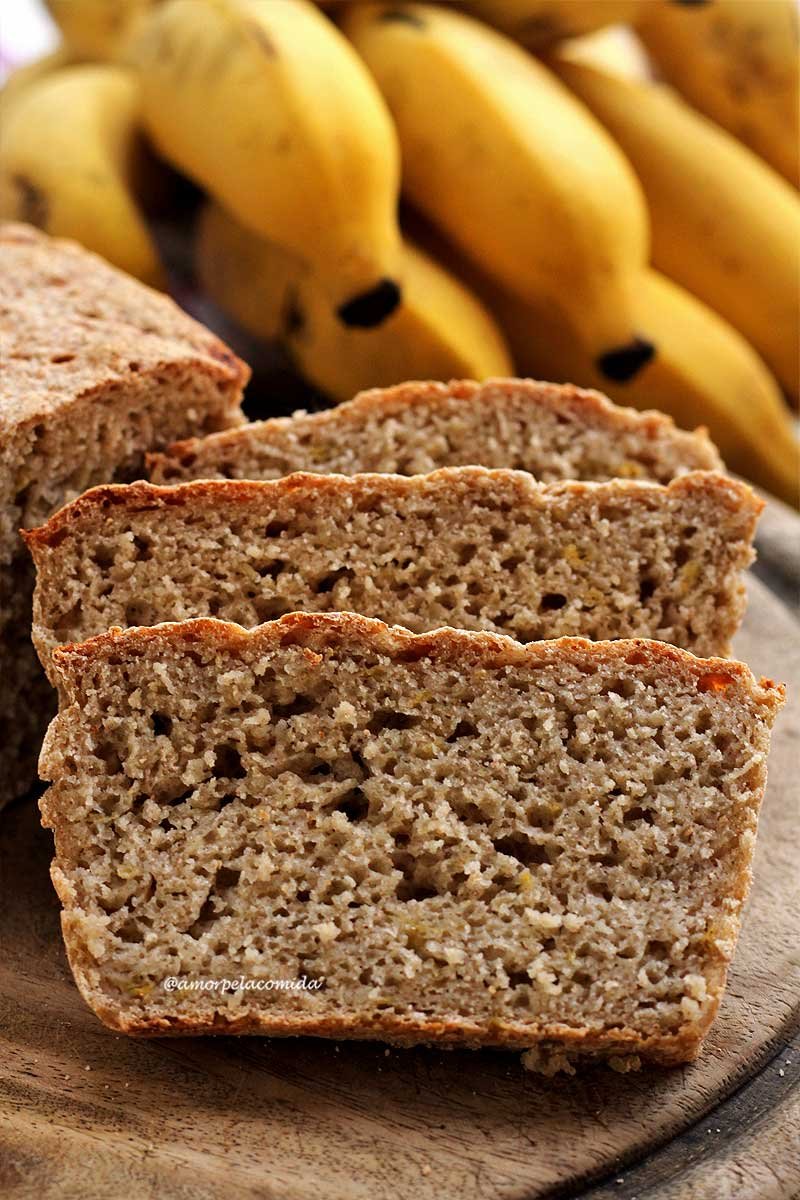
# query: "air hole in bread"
{"points": [[599, 887], [275, 529], [354, 804], [636, 814], [463, 729], [272, 569], [228, 763], [658, 949], [647, 589], [328, 582], [552, 601], [386, 719], [518, 979], [104, 555], [162, 724], [525, 851], [294, 708]]}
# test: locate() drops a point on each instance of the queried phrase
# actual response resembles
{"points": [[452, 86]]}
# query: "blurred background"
{"points": [[603, 192]]}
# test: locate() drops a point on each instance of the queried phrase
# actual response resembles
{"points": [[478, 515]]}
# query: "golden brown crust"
{"points": [[141, 495], [318, 631], [587, 406], [72, 326], [663, 1050]]}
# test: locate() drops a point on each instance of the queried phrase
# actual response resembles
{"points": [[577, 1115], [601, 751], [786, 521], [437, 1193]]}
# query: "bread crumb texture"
{"points": [[467, 547], [460, 839], [555, 431]]}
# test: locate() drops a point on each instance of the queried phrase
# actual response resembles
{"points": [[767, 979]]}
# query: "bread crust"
{"points": [[318, 631], [584, 405], [141, 495], [661, 1050], [73, 326]]}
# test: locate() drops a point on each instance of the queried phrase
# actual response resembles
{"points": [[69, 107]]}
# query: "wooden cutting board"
{"points": [[89, 1114]]}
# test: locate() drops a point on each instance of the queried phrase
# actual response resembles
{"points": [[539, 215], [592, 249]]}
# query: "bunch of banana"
{"points": [[438, 331], [724, 224], [737, 61], [503, 159], [267, 106], [72, 161]]}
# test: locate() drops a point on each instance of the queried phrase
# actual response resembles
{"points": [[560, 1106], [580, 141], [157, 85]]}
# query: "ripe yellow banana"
{"points": [[704, 373], [72, 160], [537, 23], [503, 159], [738, 61], [21, 79], [98, 30], [724, 224], [439, 331], [267, 106]]}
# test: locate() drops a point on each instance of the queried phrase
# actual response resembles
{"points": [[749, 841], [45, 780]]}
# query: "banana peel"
{"points": [[439, 330]]}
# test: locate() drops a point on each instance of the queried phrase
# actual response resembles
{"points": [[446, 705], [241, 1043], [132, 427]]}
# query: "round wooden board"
{"points": [[90, 1114]]}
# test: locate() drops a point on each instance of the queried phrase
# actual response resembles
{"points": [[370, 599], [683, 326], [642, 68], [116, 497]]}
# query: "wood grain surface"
{"points": [[89, 1114]]}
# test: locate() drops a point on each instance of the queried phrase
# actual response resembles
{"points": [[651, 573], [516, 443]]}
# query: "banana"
{"points": [[705, 372], [439, 331], [98, 30], [21, 79], [538, 23], [724, 224], [267, 106], [71, 161], [737, 61], [499, 155]]}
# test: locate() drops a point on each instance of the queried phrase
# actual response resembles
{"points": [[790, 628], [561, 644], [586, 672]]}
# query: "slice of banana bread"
{"points": [[553, 431], [96, 369], [327, 826], [464, 546]]}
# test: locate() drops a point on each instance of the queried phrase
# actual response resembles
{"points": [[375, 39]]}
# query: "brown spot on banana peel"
{"points": [[401, 16], [33, 206], [293, 319], [541, 30], [262, 39], [624, 362]]}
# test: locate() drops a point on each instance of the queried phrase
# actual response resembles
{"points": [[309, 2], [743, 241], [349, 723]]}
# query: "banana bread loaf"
{"points": [[326, 826], [97, 369], [463, 546], [555, 432]]}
